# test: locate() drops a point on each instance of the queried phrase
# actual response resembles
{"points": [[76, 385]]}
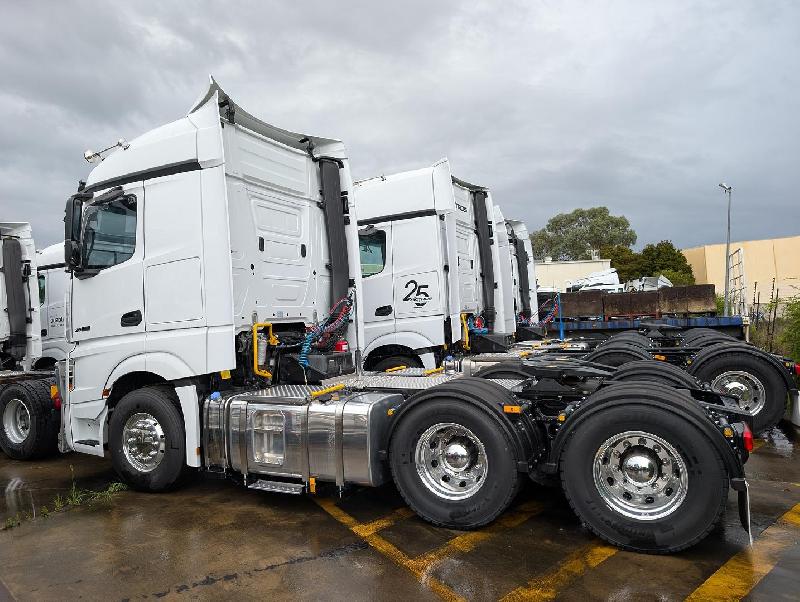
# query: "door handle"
{"points": [[383, 310], [132, 318]]}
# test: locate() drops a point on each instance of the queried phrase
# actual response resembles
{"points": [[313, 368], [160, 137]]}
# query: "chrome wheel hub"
{"points": [[451, 461], [143, 442], [640, 475], [16, 421], [746, 388]]}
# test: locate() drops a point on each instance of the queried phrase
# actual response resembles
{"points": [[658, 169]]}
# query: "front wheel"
{"points": [[644, 479], [146, 438], [453, 466]]}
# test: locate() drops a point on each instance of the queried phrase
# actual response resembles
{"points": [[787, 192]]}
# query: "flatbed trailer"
{"points": [[735, 326]]}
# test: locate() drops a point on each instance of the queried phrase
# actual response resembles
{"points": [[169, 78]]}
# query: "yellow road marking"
{"points": [[386, 548], [470, 540], [737, 577], [576, 564], [382, 523]]}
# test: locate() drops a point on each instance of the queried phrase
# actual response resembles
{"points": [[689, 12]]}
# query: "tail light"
{"points": [[341, 346], [747, 438], [797, 369], [55, 395]]}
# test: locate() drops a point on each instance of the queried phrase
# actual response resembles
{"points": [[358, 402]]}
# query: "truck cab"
{"points": [[431, 268], [523, 269], [207, 253], [53, 282]]}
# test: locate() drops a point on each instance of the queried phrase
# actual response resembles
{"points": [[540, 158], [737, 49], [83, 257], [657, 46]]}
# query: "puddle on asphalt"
{"points": [[26, 488], [783, 439]]}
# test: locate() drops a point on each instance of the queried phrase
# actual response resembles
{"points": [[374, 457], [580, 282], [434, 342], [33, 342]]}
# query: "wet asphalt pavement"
{"points": [[212, 539]]}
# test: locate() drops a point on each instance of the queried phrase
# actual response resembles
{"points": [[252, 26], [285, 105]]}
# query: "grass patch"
{"points": [[75, 496]]}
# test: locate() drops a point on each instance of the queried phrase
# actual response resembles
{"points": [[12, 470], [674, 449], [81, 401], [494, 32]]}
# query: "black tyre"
{"points": [[30, 424], [452, 462], [656, 372], [396, 361], [755, 382], [607, 456], [146, 438], [633, 338], [690, 335], [617, 354], [505, 370], [707, 340]]}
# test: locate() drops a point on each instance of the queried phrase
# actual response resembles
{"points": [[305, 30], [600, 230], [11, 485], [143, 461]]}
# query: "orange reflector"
{"points": [[106, 392], [197, 451], [512, 409], [727, 431], [53, 391], [390, 412], [312, 485], [562, 417], [660, 358], [225, 374]]}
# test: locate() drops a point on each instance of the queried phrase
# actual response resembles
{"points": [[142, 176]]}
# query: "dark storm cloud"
{"points": [[643, 107]]}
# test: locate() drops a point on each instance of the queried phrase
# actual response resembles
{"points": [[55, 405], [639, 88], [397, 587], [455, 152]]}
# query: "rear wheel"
{"points": [[146, 439], [397, 361], [634, 338], [644, 479], [617, 354], [690, 335], [707, 340], [758, 388], [453, 466], [29, 422], [658, 372]]}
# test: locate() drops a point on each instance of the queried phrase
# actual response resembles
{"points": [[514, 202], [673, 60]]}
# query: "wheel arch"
{"points": [[710, 353]]}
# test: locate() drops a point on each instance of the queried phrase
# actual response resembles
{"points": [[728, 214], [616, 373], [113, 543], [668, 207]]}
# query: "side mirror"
{"points": [[72, 230]]}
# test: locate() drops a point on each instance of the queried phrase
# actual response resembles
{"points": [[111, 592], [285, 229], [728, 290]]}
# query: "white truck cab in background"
{"points": [[53, 282], [523, 266], [431, 268]]}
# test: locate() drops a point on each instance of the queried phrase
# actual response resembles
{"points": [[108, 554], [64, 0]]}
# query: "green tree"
{"points": [[570, 236], [790, 337], [658, 259], [628, 263]]}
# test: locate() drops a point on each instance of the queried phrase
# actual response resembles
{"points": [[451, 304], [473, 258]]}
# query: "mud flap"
{"points": [[743, 491]]}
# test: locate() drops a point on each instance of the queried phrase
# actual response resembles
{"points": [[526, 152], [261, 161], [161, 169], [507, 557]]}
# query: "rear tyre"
{"points": [[30, 424], [146, 439], [707, 340], [690, 335], [452, 464], [633, 338], [504, 370], [617, 354], [396, 361], [757, 386], [644, 479], [655, 372]]}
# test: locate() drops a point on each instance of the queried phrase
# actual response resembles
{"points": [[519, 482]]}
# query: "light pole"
{"points": [[727, 306]]}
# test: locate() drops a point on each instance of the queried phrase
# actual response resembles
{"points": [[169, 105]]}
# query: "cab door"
{"points": [[376, 247], [107, 302]]}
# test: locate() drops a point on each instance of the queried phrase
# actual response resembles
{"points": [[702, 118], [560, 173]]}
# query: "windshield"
{"points": [[109, 233]]}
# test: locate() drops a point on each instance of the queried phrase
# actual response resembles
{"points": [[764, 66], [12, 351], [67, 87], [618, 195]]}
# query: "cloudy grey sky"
{"points": [[640, 106]]}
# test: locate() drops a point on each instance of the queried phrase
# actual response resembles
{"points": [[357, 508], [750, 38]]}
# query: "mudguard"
{"points": [[490, 398], [709, 353]]}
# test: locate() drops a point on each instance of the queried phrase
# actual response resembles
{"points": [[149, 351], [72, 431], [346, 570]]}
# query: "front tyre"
{"points": [[146, 439], [644, 479], [453, 465]]}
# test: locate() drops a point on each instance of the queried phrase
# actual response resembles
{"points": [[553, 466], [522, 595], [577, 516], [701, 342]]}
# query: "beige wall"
{"points": [[764, 260], [556, 274]]}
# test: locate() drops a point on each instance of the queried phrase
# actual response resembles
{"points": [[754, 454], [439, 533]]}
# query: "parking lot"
{"points": [[212, 539]]}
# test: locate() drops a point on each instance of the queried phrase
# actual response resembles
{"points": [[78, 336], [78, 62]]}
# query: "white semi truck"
{"points": [[206, 256], [30, 422], [432, 265]]}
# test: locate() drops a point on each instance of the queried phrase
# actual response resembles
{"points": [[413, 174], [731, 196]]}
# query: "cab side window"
{"points": [[42, 291], [373, 252]]}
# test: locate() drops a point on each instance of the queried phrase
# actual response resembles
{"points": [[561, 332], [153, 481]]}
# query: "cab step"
{"points": [[277, 486]]}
